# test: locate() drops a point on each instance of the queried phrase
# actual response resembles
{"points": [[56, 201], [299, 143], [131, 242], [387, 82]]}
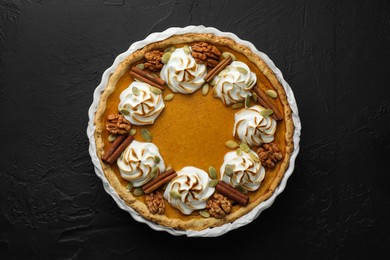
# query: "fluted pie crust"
{"points": [[285, 129]]}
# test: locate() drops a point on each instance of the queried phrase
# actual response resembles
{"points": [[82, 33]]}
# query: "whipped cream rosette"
{"points": [[252, 128], [245, 170], [234, 83], [138, 163], [190, 190], [139, 104], [182, 74]]}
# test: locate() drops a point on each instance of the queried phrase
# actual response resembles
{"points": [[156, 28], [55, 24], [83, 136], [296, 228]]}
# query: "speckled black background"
{"points": [[334, 54]]}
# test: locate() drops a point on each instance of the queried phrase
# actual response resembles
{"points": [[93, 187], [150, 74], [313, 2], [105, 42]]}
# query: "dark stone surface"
{"points": [[334, 54]]}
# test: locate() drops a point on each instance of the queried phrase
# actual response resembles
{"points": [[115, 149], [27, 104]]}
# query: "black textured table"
{"points": [[334, 54]]}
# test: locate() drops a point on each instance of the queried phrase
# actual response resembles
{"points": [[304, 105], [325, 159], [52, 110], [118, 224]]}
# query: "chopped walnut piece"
{"points": [[153, 60], [117, 124], [206, 53], [269, 154], [155, 202], [218, 206]]}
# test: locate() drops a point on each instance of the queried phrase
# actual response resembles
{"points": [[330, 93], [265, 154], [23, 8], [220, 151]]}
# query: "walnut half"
{"points": [[269, 154], [117, 124], [218, 206], [206, 53], [155, 202]]}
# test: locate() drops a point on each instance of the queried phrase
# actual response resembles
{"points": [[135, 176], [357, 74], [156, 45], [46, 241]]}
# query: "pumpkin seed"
{"points": [[213, 183], [138, 192], [124, 112], [135, 91], [205, 89], [155, 171], [155, 90], [254, 97], [244, 147], [174, 194], [204, 213], [156, 159], [129, 186], [229, 169], [247, 101], [212, 172], [146, 135], [169, 49], [133, 131], [141, 66], [111, 138], [169, 97], [254, 157], [213, 82], [186, 49], [241, 189], [239, 151], [237, 105], [242, 70], [231, 144], [271, 93], [165, 58], [266, 112], [227, 54]]}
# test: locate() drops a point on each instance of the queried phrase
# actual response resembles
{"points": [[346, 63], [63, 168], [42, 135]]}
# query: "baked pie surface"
{"points": [[192, 130]]}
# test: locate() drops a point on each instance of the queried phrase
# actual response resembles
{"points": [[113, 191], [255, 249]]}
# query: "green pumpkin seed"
{"points": [[146, 135], [247, 101], [138, 192], [169, 97], [124, 112], [213, 82], [155, 90], [213, 183], [227, 54], [212, 172], [254, 157], [133, 131], [169, 49], [231, 144], [165, 58], [129, 186], [155, 171], [254, 97], [205, 89], [156, 159], [239, 151], [204, 213], [141, 66], [266, 112], [244, 147], [242, 70], [241, 189], [174, 194], [111, 138], [237, 105], [186, 49], [135, 91], [229, 169], [271, 93]]}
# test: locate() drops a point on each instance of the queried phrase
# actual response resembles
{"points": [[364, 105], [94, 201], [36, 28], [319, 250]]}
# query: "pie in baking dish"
{"points": [[193, 131]]}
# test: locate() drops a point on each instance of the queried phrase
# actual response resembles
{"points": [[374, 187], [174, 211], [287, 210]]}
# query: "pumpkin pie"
{"points": [[193, 131]]}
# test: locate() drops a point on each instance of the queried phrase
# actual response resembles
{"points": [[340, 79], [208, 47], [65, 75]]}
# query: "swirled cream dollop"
{"points": [[139, 104], [138, 163], [247, 170], [182, 74], [234, 83], [190, 190], [252, 128]]}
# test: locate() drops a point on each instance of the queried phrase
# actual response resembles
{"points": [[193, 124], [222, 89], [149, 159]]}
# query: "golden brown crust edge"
{"points": [[198, 224]]}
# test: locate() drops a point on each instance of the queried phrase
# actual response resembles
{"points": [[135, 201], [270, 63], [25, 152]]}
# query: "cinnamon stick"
{"points": [[265, 102], [217, 69], [148, 76], [159, 181], [142, 78], [118, 140], [115, 155], [230, 192]]}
